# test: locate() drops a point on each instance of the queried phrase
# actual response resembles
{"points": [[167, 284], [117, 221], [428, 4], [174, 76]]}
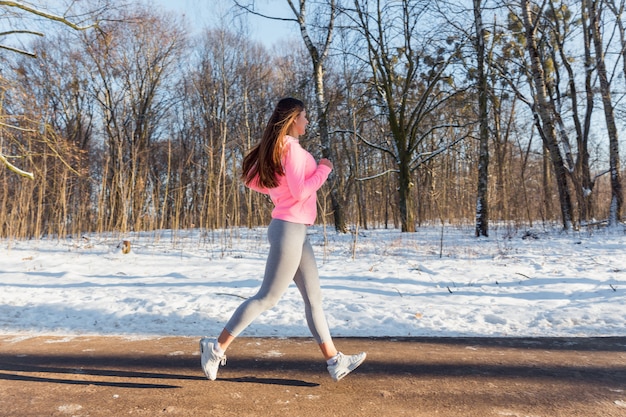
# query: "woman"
{"points": [[280, 167]]}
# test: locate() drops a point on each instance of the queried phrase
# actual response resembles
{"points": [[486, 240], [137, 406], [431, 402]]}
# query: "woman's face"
{"points": [[299, 125]]}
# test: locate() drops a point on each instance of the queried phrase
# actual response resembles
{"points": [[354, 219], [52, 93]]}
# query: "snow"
{"points": [[382, 283]]}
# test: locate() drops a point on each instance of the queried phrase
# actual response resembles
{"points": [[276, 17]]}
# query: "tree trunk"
{"points": [[482, 208], [318, 58], [583, 172], [605, 89], [335, 198], [544, 116], [407, 215]]}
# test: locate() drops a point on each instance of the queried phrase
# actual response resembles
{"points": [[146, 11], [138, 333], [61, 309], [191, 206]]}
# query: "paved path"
{"points": [[109, 376]]}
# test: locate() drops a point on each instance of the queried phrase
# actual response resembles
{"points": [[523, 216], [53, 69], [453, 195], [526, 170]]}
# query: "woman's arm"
{"points": [[255, 186], [296, 160]]}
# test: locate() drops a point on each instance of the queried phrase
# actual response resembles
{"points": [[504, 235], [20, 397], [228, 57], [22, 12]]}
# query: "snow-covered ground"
{"points": [[435, 282]]}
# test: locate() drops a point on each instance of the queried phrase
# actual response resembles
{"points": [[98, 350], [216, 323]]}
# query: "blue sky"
{"points": [[203, 13]]}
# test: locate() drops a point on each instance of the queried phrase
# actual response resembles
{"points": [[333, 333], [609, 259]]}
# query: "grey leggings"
{"points": [[290, 258]]}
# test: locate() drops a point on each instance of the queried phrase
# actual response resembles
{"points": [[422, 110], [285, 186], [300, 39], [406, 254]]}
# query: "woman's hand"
{"points": [[326, 162]]}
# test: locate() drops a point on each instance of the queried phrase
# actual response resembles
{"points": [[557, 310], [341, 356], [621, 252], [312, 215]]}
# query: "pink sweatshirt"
{"points": [[295, 198]]}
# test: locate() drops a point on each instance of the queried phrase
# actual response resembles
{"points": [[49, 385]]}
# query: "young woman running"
{"points": [[280, 167]]}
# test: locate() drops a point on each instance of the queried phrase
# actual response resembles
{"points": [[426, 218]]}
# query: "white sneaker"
{"points": [[345, 365], [209, 359]]}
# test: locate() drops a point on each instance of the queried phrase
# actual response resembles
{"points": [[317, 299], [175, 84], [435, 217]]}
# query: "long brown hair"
{"points": [[265, 158]]}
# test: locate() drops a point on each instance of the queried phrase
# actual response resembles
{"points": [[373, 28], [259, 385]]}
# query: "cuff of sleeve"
{"points": [[324, 169]]}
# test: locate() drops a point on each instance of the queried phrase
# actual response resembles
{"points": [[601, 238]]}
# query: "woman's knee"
{"points": [[267, 302]]}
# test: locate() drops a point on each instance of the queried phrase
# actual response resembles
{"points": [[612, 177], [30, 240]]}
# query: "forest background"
{"points": [[432, 111]]}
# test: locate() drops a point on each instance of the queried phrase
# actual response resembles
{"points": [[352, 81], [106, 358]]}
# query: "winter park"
{"points": [[193, 194]]}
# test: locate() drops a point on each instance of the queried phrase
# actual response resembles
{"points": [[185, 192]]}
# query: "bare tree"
{"points": [[482, 201], [131, 60], [593, 6], [544, 108], [563, 22], [410, 78], [216, 85], [16, 12]]}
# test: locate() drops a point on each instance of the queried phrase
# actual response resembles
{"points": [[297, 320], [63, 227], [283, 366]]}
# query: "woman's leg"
{"points": [[225, 339], [286, 243], [308, 282]]}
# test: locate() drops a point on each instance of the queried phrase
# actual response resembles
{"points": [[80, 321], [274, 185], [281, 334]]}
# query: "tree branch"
{"points": [[50, 16], [21, 32], [19, 51], [377, 175], [362, 139], [15, 169], [17, 128], [251, 10], [430, 155]]}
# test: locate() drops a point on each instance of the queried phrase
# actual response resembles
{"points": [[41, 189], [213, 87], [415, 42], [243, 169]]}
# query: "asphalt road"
{"points": [[111, 376]]}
